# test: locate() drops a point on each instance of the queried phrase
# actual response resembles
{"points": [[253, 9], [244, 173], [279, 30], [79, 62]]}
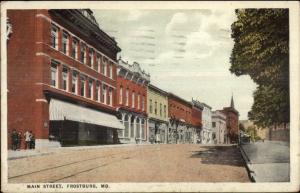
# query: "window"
{"points": [[111, 71], [104, 66], [127, 97], [54, 36], [74, 82], [104, 97], [139, 101], [65, 79], [155, 108], [214, 124], [54, 75], [160, 109], [97, 91], [90, 89], [97, 63], [65, 43], [110, 90], [82, 86], [143, 103], [83, 53], [165, 111], [121, 95], [91, 58], [74, 53], [133, 99], [151, 108]]}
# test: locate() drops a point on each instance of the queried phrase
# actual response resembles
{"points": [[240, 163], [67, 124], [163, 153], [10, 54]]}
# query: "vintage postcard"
{"points": [[150, 96]]}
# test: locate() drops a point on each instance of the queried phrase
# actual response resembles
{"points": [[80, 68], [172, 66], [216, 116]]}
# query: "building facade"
{"points": [[181, 129], [219, 128], [206, 132], [158, 117], [62, 78], [232, 122], [197, 109], [132, 85]]}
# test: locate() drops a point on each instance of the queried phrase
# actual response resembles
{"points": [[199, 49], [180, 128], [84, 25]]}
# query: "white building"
{"points": [[219, 127], [206, 132]]}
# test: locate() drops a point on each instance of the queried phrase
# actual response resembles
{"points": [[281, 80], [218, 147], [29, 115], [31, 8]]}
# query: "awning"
{"points": [[60, 110]]}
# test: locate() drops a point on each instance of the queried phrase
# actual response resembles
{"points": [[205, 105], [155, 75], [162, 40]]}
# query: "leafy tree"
{"points": [[261, 50]]}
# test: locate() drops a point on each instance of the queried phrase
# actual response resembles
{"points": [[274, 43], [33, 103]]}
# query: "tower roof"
{"points": [[232, 102]]}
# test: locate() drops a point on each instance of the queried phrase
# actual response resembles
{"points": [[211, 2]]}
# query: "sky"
{"points": [[186, 52]]}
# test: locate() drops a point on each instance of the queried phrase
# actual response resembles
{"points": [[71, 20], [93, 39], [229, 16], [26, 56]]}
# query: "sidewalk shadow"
{"points": [[220, 155]]}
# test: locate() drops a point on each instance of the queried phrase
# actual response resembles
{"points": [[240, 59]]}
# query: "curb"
{"points": [[251, 173]]}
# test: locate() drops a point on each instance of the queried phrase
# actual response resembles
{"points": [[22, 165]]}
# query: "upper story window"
{"points": [[97, 91], [104, 66], [110, 91], [160, 109], [74, 53], [111, 71], [213, 124], [97, 63], [133, 99], [65, 43], [54, 36], [91, 58], [139, 101], [155, 108], [121, 95], [74, 82], [65, 79], [165, 111], [104, 94], [83, 53], [150, 106], [54, 74], [143, 103], [127, 97], [82, 86], [90, 89]]}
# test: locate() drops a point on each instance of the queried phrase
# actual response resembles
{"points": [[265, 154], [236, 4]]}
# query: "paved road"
{"points": [[140, 163], [269, 160]]}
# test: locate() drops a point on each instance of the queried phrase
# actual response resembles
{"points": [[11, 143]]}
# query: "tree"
{"points": [[261, 50]]}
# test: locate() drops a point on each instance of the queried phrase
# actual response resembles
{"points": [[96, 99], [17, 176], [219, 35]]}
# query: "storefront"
{"points": [[72, 124]]}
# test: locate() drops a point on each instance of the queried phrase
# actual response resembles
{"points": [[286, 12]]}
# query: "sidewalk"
{"points": [[267, 161], [37, 152]]}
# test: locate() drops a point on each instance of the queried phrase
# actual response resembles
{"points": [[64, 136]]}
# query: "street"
{"points": [[136, 163]]}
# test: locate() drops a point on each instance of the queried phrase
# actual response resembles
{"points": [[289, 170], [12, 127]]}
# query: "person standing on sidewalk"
{"points": [[19, 141], [32, 141], [14, 139], [27, 135]]}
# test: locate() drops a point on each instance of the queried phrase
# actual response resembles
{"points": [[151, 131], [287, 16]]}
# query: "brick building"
{"points": [[181, 129], [131, 97], [232, 122], [61, 78]]}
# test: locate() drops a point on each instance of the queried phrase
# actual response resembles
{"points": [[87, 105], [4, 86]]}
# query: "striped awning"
{"points": [[61, 110]]}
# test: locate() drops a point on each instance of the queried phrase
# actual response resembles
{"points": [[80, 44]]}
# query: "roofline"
{"points": [[151, 86]]}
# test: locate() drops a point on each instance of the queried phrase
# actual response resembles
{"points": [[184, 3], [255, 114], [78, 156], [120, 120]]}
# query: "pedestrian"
{"points": [[27, 136], [32, 141], [19, 141], [14, 139]]}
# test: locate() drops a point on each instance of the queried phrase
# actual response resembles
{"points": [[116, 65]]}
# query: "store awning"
{"points": [[60, 110]]}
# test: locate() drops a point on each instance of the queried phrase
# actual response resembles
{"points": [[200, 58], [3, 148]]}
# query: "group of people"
{"points": [[16, 139]]}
